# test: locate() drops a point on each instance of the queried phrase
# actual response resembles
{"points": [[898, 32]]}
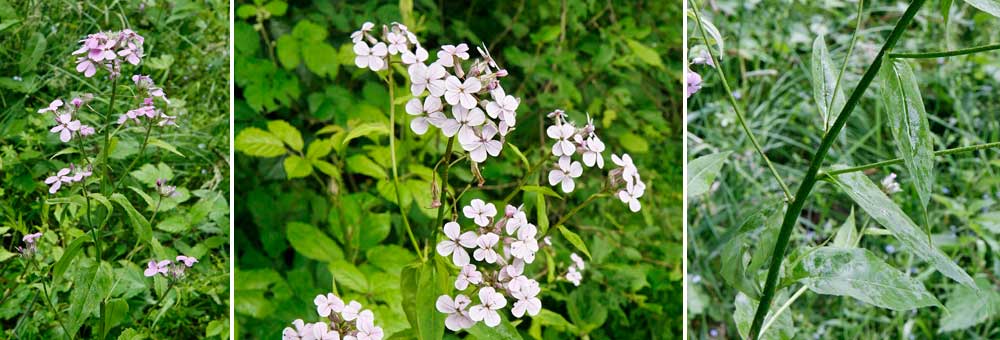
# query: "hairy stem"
{"points": [[736, 108], [392, 154], [938, 153], [940, 54], [809, 181]]}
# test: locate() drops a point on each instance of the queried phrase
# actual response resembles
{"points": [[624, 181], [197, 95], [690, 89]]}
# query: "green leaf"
{"points": [[370, 130], [319, 148], [246, 11], [908, 124], [131, 334], [847, 235], [153, 141], [421, 284], [91, 284], [143, 230], [286, 133], [321, 59], [276, 8], [175, 224], [859, 273], [116, 311], [70, 253], [552, 319], [307, 31], [287, 48], [541, 214], [968, 307], [829, 98], [361, 164], [633, 143], [297, 167], [348, 276], [503, 331], [644, 53], [312, 243], [781, 329], [33, 52], [376, 229], [256, 142], [702, 172], [712, 32], [989, 6], [542, 190], [870, 198], [758, 230], [574, 239]]}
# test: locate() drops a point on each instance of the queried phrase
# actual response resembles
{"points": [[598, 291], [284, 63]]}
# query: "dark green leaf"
{"points": [[312, 243]]}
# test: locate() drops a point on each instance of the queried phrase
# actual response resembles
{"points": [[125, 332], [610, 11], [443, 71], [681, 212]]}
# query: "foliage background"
{"points": [[616, 60], [768, 62], [187, 54]]}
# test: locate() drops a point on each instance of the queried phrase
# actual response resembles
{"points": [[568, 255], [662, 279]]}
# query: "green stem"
{"points": [[795, 209], [783, 307], [531, 171], [938, 153], [170, 286], [392, 154], [107, 131], [145, 142], [843, 68], [575, 210], [736, 108], [86, 197], [926, 55], [444, 186], [48, 300]]}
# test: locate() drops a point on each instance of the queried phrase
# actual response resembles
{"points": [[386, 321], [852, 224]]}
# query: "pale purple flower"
{"points": [[351, 311], [485, 251], [426, 113], [368, 331], [397, 42], [58, 179], [563, 134], [448, 53], [458, 318], [515, 221], [53, 106], [417, 57], [80, 173], [456, 241], [693, 83], [525, 246], [629, 171], [889, 184], [458, 92], [631, 194], [526, 291], [327, 304], [31, 238], [86, 130], [480, 211], [358, 35], [481, 143], [468, 275], [574, 276], [427, 77], [565, 173], [320, 331], [302, 331], [154, 267], [577, 261], [370, 57], [65, 127], [463, 122], [503, 106], [187, 260], [490, 302]]}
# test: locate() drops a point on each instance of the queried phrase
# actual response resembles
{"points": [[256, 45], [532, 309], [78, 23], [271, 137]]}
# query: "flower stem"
{"points": [[575, 210], [736, 108], [795, 209], [107, 132], [392, 154], [938, 153], [843, 68], [531, 171], [444, 186], [939, 54], [48, 300], [145, 142]]}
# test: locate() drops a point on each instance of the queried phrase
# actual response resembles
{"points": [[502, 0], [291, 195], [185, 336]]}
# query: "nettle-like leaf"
{"points": [[702, 172], [256, 142], [862, 275], [909, 125], [782, 328], [883, 210], [829, 98], [305, 44], [989, 6]]}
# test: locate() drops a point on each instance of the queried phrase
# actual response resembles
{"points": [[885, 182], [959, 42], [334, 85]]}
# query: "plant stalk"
{"points": [[392, 154], [941, 54], [48, 300], [444, 186], [795, 209], [938, 153]]}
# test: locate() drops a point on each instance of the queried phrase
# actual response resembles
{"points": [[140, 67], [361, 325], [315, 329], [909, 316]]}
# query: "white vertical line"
{"points": [[684, 171]]}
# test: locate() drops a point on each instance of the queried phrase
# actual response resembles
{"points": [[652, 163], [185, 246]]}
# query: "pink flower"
{"points": [[57, 180], [448, 53], [53, 106], [66, 127], [187, 260], [693, 83], [31, 238], [153, 268]]}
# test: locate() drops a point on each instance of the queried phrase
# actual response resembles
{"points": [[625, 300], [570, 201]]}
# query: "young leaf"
{"points": [[859, 273], [297, 167], [702, 172], [988, 6], [847, 235], [260, 143], [909, 125], [287, 133], [824, 82], [319, 148], [321, 59], [287, 48], [574, 239], [870, 198], [143, 230], [312, 243]]}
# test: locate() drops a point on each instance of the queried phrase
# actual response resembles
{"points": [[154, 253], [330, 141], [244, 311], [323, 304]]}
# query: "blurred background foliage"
{"points": [[768, 62], [616, 60], [186, 46]]}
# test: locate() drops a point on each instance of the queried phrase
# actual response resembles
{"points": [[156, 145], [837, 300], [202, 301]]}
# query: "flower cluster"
{"points": [[30, 245], [570, 140], [574, 273], [169, 269], [147, 90], [66, 126], [473, 94], [628, 174], [504, 279], [70, 175], [107, 50], [346, 321]]}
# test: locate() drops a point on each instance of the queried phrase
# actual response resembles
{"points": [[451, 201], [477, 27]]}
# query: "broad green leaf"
{"points": [[321, 59], [870, 198], [782, 328], [989, 6], [256, 142], [276, 8], [319, 148], [860, 274], [968, 307], [908, 124], [174, 224], [69, 254], [312, 243], [153, 141], [91, 284], [361, 164], [829, 98], [644, 53], [702, 172], [847, 235], [370, 130], [552, 319], [246, 11], [326, 168], [633, 143], [286, 133], [503, 331], [390, 258], [376, 228], [737, 269], [297, 167], [33, 52], [990, 221], [348, 276], [574, 239], [542, 190], [421, 284], [307, 31], [116, 311], [131, 334], [587, 307], [287, 48], [143, 230]]}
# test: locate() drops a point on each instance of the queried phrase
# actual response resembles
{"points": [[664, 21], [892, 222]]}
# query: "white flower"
{"points": [[397, 42], [468, 275], [57, 180], [562, 134], [463, 122], [526, 291], [482, 143], [565, 174], [414, 58], [365, 316], [574, 276], [503, 106], [351, 310], [577, 260], [370, 57], [300, 332], [511, 271], [889, 184], [525, 246], [490, 303], [329, 303], [448, 53], [368, 331], [629, 171], [485, 252], [66, 127], [427, 77], [320, 331], [630, 195], [453, 245], [593, 147], [480, 212], [53, 106], [457, 318], [516, 220], [431, 107], [357, 36], [458, 92]]}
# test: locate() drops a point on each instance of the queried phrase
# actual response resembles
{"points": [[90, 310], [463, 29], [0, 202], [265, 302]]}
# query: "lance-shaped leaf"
{"points": [[860, 274], [829, 98], [702, 172], [874, 202], [988, 6], [908, 124]]}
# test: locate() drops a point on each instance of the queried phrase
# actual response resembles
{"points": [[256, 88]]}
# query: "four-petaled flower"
{"points": [[480, 211], [446, 56], [53, 106], [320, 331], [463, 122], [693, 83], [417, 57], [525, 246], [351, 310], [428, 113], [58, 179], [482, 143], [370, 57], [454, 244], [631, 195], [526, 291], [503, 106], [427, 77], [187, 260], [329, 303], [300, 332], [458, 318], [490, 302], [66, 126], [368, 331], [565, 174], [485, 251], [153, 268], [563, 134], [358, 35], [468, 275], [457, 92]]}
